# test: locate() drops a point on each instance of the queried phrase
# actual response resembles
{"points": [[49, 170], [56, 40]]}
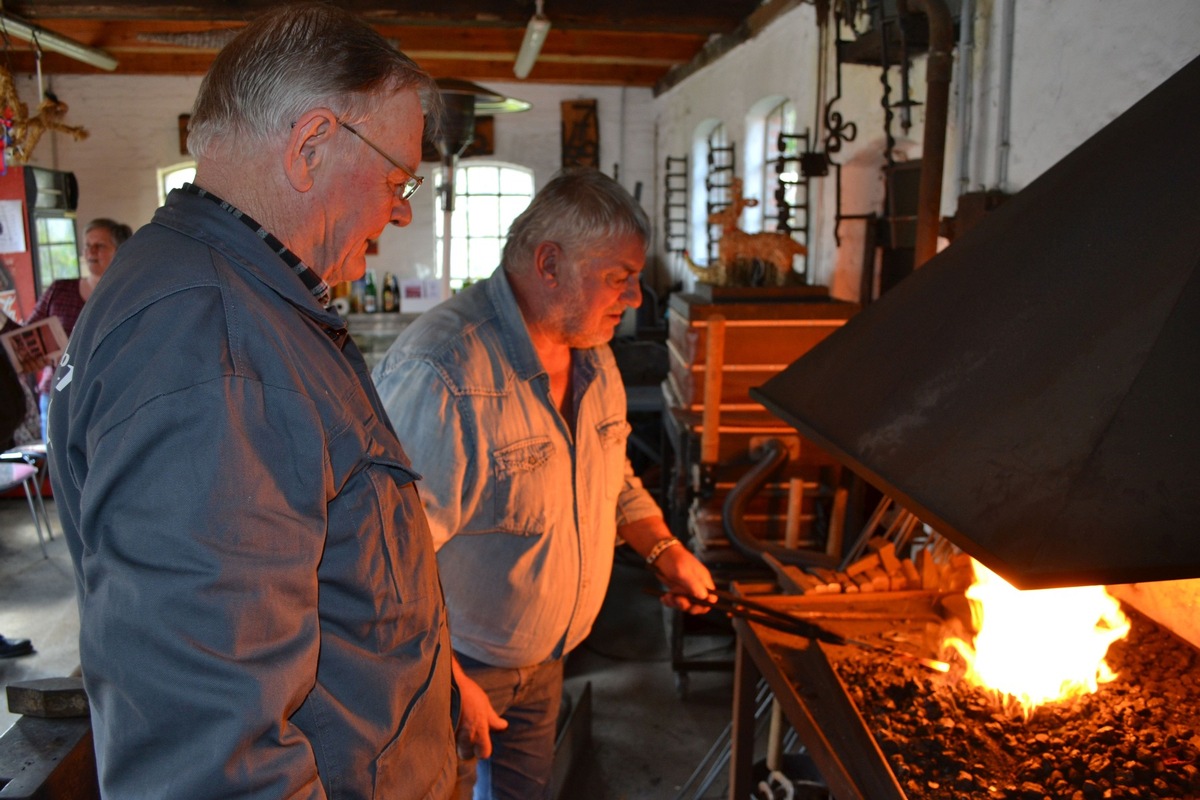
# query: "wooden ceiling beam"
{"points": [[703, 17], [130, 34], [442, 65], [613, 42], [187, 48]]}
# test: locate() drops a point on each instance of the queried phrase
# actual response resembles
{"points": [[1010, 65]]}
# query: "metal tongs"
{"points": [[733, 605]]}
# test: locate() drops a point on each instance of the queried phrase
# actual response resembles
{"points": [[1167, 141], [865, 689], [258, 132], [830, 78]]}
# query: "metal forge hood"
{"points": [[1033, 391]]}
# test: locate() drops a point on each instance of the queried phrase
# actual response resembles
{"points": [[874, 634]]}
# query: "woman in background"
{"points": [[65, 297]]}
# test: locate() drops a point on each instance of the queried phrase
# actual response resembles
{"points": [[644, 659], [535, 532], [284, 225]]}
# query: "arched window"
{"points": [[773, 179], [713, 169], [488, 197], [173, 177]]}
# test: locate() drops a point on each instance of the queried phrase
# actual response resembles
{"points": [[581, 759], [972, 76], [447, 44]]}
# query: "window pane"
{"points": [[516, 181], [483, 180], [484, 252], [57, 230], [459, 223], [176, 179], [459, 258], [510, 208], [484, 217]]}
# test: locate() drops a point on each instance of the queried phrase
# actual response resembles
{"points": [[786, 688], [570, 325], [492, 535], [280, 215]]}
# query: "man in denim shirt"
{"points": [[509, 402]]}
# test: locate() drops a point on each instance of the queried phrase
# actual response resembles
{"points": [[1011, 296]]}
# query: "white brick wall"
{"points": [[133, 127]]}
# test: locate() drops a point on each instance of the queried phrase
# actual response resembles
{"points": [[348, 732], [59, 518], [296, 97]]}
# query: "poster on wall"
{"points": [[12, 226], [482, 143], [419, 294], [580, 134]]}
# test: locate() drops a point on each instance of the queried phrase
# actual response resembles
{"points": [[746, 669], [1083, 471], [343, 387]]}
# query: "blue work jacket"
{"points": [[260, 611]]}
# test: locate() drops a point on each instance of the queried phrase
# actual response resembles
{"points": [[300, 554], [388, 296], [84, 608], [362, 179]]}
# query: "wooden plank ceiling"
{"points": [[602, 42]]}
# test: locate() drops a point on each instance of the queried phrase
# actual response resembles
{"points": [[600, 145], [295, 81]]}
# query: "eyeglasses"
{"points": [[406, 189]]}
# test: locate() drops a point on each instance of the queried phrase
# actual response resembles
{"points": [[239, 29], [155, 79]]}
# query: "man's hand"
{"points": [[681, 571], [477, 719], [683, 574]]}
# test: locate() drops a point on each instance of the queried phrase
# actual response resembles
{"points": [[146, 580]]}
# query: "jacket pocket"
{"points": [[520, 479], [408, 546]]}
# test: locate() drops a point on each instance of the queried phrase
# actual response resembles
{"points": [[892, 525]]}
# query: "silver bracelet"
{"points": [[659, 548]]}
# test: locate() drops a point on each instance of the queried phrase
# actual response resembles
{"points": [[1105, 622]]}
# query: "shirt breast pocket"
{"points": [[521, 479], [613, 433]]}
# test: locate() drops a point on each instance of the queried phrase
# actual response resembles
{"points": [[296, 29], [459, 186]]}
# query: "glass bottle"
{"points": [[389, 293], [370, 294]]}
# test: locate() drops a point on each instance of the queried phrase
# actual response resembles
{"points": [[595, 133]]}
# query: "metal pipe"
{"points": [[938, 68], [966, 81], [1004, 112], [771, 455]]}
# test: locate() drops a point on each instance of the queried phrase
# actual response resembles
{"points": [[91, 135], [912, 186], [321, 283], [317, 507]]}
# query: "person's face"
{"points": [[597, 286], [98, 250], [366, 195]]}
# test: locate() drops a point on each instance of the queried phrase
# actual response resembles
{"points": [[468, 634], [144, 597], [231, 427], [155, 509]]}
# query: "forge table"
{"points": [[811, 696]]}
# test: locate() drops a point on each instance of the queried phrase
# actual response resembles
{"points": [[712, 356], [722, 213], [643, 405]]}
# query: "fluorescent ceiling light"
{"points": [[531, 45], [55, 43]]}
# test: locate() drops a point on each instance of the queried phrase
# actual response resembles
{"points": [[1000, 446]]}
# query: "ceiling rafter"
{"points": [[617, 42]]}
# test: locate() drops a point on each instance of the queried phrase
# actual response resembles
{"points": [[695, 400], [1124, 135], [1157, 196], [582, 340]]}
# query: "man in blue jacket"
{"points": [[260, 609]]}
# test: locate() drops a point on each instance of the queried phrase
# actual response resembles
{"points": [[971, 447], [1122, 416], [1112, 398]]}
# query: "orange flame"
{"points": [[1037, 646]]}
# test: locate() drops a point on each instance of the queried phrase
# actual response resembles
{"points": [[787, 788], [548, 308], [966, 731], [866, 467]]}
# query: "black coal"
{"points": [[1137, 737]]}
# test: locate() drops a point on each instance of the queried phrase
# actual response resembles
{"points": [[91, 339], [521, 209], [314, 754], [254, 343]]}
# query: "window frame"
{"points": [[478, 245]]}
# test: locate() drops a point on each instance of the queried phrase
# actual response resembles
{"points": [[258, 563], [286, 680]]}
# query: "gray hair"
{"points": [[577, 208], [294, 58], [119, 231]]}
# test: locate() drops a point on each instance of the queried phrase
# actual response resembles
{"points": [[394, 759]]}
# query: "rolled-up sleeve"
{"points": [[634, 502]]}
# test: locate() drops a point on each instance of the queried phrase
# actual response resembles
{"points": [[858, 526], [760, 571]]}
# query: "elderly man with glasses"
{"points": [[260, 609]]}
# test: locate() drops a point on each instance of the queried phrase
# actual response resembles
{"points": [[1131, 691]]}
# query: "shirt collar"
{"points": [[521, 353]]}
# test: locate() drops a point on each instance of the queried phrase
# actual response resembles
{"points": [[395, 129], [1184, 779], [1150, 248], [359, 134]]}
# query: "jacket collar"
{"points": [[207, 222]]}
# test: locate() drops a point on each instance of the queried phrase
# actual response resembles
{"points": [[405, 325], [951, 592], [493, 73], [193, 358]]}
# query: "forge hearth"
{"points": [[903, 732], [1136, 737]]}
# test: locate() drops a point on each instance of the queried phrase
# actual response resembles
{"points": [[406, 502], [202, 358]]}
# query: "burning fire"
{"points": [[1040, 645]]}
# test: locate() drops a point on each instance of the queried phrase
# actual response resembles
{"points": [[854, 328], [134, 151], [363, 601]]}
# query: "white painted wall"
{"points": [[133, 131], [1077, 65]]}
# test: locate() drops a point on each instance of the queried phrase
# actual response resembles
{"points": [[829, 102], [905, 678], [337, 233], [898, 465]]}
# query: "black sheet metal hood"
{"points": [[1033, 391]]}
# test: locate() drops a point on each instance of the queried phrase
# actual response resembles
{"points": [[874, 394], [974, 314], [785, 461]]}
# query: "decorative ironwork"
{"points": [[792, 198], [721, 164], [675, 203], [838, 131]]}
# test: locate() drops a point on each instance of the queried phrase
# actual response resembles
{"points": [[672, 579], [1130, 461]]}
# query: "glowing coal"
{"points": [[1038, 646]]}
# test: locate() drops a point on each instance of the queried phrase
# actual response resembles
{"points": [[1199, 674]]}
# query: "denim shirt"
{"points": [[524, 511]]}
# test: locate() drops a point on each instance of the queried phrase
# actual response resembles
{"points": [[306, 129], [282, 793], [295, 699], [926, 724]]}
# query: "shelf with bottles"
{"points": [[368, 295]]}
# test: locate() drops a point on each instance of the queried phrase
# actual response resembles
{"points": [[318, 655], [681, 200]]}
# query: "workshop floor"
{"points": [[646, 740]]}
